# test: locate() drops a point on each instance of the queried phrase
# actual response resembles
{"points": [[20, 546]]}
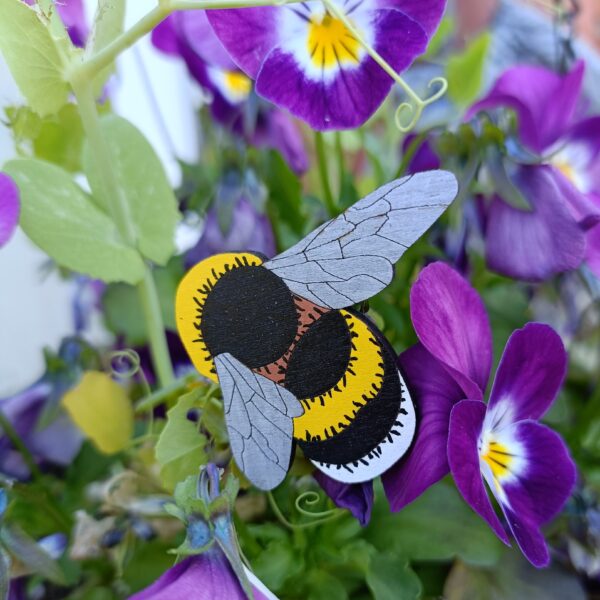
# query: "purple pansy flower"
{"points": [[563, 193], [207, 576], [189, 35], [248, 230], [357, 497], [9, 208], [306, 59], [526, 465]]}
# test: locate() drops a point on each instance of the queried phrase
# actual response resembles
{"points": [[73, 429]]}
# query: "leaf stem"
{"points": [[117, 204], [90, 67], [324, 175]]}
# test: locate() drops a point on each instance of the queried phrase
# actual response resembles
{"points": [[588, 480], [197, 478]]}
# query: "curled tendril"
{"points": [[417, 106], [125, 363], [309, 499]]}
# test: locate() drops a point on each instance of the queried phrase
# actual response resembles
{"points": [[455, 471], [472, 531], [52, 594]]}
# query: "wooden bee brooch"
{"points": [[296, 364]]}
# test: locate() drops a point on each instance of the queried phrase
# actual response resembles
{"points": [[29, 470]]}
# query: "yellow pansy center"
{"points": [[567, 170], [331, 43], [497, 456], [238, 84]]}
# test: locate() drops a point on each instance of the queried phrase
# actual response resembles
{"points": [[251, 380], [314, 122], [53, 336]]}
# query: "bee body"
{"points": [[335, 362]]}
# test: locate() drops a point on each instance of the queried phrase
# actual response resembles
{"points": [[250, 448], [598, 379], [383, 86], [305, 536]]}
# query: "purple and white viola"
{"points": [[525, 465], [305, 58]]}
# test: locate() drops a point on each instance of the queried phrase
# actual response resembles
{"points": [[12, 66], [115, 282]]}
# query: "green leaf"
{"points": [[32, 57], [27, 551], [437, 526], [60, 139], [122, 305], [64, 222], [151, 203], [465, 71], [101, 408], [324, 586], [441, 36], [108, 24], [277, 564], [390, 578], [180, 448]]}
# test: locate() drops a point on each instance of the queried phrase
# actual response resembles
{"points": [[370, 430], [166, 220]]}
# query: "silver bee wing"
{"points": [[351, 258], [259, 416]]}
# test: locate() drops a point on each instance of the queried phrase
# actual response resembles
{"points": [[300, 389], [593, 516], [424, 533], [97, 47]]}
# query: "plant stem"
{"points": [[90, 67], [339, 152], [324, 175], [117, 205]]}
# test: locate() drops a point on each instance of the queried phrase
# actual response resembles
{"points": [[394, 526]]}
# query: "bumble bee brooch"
{"points": [[296, 364]]}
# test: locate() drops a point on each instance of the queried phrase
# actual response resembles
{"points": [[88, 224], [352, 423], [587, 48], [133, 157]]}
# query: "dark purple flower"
{"points": [[205, 576], [249, 230], [356, 497], [9, 208], [56, 443], [526, 465], [189, 35], [424, 157], [563, 193], [306, 60]]}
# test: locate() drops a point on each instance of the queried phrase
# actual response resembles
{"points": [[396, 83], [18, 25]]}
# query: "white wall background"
{"points": [[153, 92]]}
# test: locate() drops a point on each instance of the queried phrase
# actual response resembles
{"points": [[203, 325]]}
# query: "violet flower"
{"points": [[357, 497], [526, 465], [52, 440], [188, 35], [206, 576], [306, 60], [563, 192], [249, 230], [9, 208]]}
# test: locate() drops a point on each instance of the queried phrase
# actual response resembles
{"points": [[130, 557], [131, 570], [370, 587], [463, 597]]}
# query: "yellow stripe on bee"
{"points": [[361, 382], [190, 300]]}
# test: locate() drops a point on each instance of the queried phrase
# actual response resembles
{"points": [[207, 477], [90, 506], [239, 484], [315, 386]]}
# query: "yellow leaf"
{"points": [[101, 409]]}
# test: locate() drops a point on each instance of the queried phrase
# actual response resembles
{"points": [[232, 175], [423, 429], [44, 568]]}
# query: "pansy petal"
{"points": [[434, 392], [9, 207], [534, 245], [451, 322], [248, 34], [529, 538], [466, 422], [356, 497], [582, 206], [427, 13], [198, 34], [72, 13], [342, 96], [205, 576], [544, 101], [165, 36], [593, 250], [546, 476], [529, 375]]}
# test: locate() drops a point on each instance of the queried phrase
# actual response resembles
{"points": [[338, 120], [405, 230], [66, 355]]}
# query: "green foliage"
{"points": [[392, 579], [438, 526], [180, 449], [64, 222], [28, 48], [151, 204], [465, 71], [121, 304]]}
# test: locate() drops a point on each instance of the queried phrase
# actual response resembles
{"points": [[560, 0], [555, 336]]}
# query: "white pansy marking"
{"points": [[320, 43]]}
